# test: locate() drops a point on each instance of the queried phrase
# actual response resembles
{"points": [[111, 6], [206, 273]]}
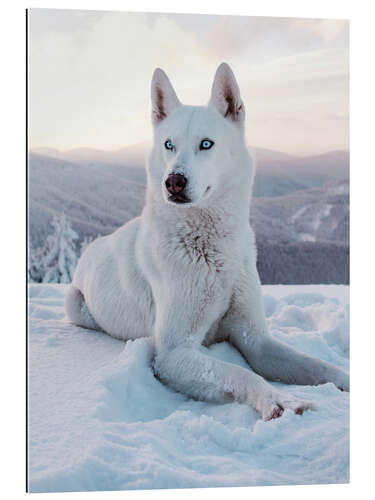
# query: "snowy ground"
{"points": [[99, 420]]}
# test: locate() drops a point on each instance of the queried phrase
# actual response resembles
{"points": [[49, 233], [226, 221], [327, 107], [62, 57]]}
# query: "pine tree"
{"points": [[35, 268], [85, 242], [59, 256]]}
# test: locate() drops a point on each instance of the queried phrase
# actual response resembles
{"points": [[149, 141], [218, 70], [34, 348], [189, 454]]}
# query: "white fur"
{"points": [[186, 274]]}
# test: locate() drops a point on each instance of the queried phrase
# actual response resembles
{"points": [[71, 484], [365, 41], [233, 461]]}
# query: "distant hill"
{"points": [[135, 155], [277, 173], [299, 211], [303, 263], [314, 215], [98, 197]]}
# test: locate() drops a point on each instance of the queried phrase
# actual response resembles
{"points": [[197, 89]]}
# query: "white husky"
{"points": [[184, 273]]}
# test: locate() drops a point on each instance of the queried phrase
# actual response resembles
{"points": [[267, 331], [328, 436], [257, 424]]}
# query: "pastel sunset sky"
{"points": [[90, 73]]}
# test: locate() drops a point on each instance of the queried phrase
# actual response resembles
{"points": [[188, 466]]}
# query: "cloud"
{"points": [[90, 75], [291, 101], [93, 83], [58, 20], [267, 37]]}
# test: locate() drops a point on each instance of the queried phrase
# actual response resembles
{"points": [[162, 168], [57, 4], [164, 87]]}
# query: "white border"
{"points": [[12, 199]]}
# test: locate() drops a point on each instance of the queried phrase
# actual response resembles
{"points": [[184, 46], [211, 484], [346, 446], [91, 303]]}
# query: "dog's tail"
{"points": [[77, 310]]}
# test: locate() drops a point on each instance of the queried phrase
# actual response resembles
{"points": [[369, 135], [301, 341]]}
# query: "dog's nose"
{"points": [[175, 183]]}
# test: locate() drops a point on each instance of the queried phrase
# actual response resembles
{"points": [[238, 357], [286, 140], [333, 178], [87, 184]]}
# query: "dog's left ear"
{"points": [[163, 96], [225, 95]]}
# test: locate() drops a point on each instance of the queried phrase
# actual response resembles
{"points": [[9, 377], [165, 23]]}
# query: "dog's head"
{"points": [[197, 149]]}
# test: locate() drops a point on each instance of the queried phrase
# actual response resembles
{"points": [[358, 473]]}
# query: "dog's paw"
{"points": [[275, 411], [342, 382], [276, 408]]}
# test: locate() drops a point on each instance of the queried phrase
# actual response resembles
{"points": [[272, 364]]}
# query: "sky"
{"points": [[90, 74]]}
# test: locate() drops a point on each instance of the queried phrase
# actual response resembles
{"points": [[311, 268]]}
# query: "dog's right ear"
{"points": [[163, 96], [225, 95]]}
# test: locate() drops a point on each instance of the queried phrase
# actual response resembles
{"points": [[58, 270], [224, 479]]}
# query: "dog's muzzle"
{"points": [[175, 185]]}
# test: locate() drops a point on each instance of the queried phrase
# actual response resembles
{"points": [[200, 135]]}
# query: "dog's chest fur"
{"points": [[196, 253], [203, 240], [202, 244]]}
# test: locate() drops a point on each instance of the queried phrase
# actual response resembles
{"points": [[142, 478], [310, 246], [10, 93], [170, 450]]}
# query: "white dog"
{"points": [[184, 272]]}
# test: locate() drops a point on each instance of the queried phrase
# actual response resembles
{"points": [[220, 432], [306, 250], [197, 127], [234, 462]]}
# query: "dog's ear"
{"points": [[225, 95], [163, 96]]}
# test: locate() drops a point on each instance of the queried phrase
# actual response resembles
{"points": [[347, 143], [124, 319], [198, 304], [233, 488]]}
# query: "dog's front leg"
{"points": [[270, 358], [181, 362], [277, 361]]}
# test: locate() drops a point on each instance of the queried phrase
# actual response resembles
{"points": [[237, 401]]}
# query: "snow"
{"points": [[317, 215], [307, 237], [316, 223], [100, 420], [299, 213]]}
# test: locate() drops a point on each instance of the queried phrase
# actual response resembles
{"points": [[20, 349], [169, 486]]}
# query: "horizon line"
{"points": [[149, 144]]}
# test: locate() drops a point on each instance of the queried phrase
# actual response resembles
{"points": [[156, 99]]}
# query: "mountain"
{"points": [[277, 173], [300, 216], [131, 155], [99, 197], [316, 215], [96, 199]]}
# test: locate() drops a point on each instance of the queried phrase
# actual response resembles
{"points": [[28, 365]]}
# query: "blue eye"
{"points": [[168, 145], [206, 144]]}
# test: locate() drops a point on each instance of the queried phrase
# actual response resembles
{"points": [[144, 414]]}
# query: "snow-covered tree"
{"points": [[85, 242], [35, 268], [59, 254]]}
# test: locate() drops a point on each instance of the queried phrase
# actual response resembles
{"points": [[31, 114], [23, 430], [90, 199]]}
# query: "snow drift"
{"points": [[99, 420]]}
